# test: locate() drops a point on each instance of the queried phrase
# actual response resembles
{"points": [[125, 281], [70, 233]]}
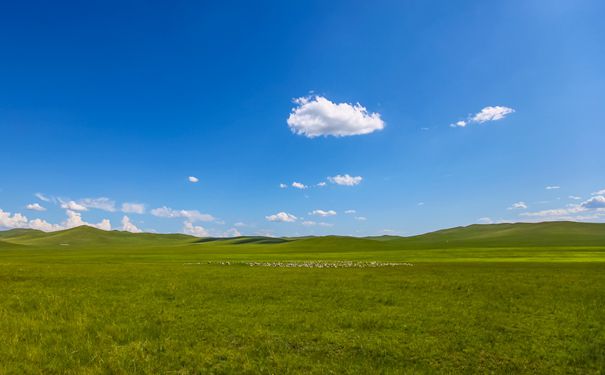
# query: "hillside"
{"points": [[549, 234]]}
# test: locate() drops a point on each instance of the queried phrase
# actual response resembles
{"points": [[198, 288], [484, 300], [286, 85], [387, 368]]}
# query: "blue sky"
{"points": [[108, 103]]}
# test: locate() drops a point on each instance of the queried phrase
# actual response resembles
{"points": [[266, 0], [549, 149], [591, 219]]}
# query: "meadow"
{"points": [[520, 298]]}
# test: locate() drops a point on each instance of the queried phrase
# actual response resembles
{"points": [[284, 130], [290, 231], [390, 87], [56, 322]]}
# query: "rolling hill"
{"points": [[547, 234]]}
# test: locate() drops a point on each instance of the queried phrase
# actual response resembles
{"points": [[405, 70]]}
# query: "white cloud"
{"points": [[281, 217], [299, 185], [345, 180], [193, 179], [518, 206], [190, 215], [133, 208], [578, 198], [45, 226], [35, 207], [194, 230], [485, 220], [321, 184], [72, 206], [600, 192], [323, 213], [310, 223], [74, 219], [361, 218], [42, 197], [239, 224], [16, 220], [283, 186], [350, 212], [460, 123], [594, 205], [199, 231], [552, 187], [128, 226], [231, 232], [317, 116], [490, 113], [596, 202], [102, 203]]}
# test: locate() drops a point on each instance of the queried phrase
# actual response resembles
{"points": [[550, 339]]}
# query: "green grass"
{"points": [[113, 302]]}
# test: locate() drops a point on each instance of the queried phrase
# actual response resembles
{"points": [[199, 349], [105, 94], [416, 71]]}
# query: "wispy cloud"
{"points": [[42, 197], [193, 179], [552, 187], [283, 217], [190, 215], [323, 213], [518, 206], [299, 185], [102, 203], [491, 113], [133, 208]]}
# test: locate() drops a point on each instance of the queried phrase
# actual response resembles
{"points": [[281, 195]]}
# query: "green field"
{"points": [[506, 298]]}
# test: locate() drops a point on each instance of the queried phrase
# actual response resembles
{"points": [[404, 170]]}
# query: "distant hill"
{"points": [[554, 234], [548, 234]]}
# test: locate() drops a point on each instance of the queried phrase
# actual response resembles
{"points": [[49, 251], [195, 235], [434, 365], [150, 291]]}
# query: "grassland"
{"points": [[522, 298]]}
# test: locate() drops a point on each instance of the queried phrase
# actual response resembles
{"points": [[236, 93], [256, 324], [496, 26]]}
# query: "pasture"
{"points": [[108, 305]]}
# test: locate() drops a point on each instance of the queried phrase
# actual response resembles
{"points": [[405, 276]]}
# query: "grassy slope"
{"points": [[556, 241]]}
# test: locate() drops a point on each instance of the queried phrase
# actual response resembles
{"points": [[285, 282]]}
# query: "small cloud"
{"points": [[596, 202], [600, 192], [35, 207], [553, 187], [460, 123], [283, 217], [128, 226], [321, 184], [194, 230], [420, 203], [299, 185], [345, 180], [575, 198], [309, 223], [317, 116], [485, 220], [490, 113], [518, 206], [102, 203], [231, 232], [323, 213], [350, 212], [283, 186], [133, 208], [240, 224], [193, 179], [361, 218], [190, 215], [42, 197], [73, 206]]}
